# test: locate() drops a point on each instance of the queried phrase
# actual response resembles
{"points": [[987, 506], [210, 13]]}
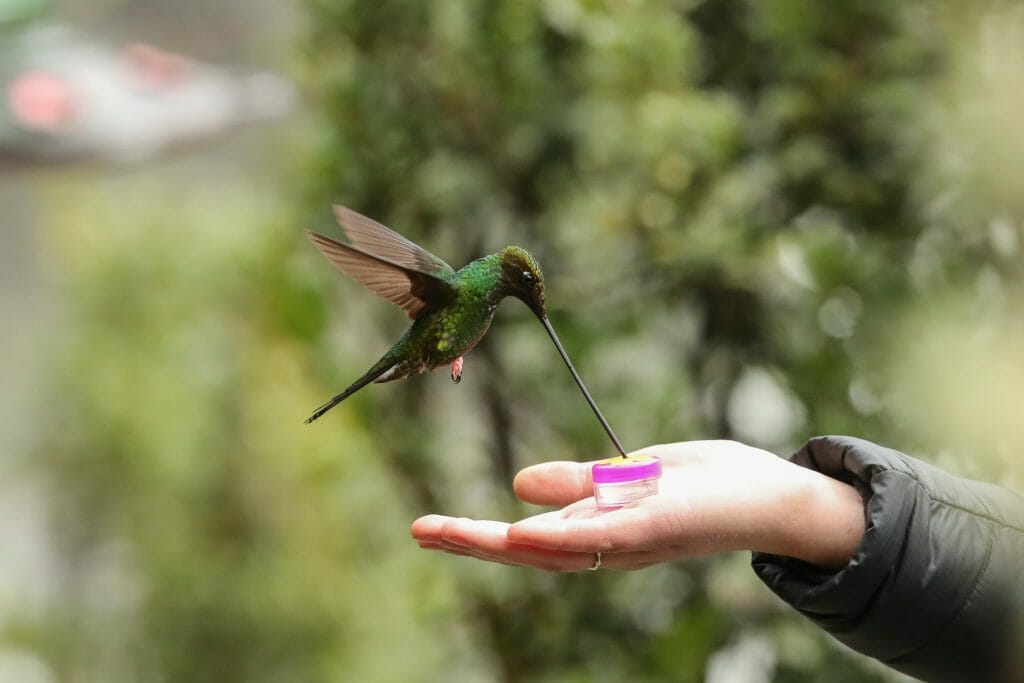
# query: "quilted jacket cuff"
{"points": [[927, 591]]}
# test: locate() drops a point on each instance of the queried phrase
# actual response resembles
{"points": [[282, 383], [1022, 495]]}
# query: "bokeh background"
{"points": [[758, 220]]}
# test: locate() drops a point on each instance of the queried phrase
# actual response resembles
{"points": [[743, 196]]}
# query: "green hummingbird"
{"points": [[450, 309]]}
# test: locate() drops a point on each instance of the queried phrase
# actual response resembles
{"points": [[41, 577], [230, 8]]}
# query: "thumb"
{"points": [[559, 483]]}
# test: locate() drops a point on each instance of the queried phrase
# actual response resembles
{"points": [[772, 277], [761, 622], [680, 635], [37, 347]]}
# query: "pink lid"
{"points": [[630, 468]]}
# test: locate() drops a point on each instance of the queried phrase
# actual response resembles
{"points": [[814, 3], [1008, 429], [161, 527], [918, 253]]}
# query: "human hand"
{"points": [[714, 497]]}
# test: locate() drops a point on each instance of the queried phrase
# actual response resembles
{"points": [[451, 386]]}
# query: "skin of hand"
{"points": [[714, 497]]}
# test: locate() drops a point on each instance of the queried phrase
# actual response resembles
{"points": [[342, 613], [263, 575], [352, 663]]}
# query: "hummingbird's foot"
{"points": [[457, 370]]}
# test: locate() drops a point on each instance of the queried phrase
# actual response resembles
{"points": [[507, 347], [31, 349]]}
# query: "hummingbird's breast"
{"points": [[455, 329]]}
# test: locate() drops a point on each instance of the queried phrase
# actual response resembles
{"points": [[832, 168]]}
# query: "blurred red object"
{"points": [[40, 101], [67, 98]]}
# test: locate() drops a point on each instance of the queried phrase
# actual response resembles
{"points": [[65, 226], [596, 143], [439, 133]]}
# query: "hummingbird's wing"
{"points": [[408, 288], [373, 238]]}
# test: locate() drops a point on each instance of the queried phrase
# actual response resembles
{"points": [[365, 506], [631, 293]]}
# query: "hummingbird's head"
{"points": [[521, 278]]}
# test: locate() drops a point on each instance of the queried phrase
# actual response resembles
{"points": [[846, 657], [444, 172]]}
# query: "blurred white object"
{"points": [[751, 659], [63, 97], [762, 410]]}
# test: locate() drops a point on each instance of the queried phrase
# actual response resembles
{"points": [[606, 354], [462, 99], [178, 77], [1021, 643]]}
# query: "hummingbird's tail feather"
{"points": [[380, 368]]}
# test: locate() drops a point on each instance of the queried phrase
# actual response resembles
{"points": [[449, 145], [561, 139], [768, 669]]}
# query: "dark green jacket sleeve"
{"points": [[936, 589]]}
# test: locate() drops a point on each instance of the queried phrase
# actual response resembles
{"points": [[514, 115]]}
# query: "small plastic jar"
{"points": [[620, 481]]}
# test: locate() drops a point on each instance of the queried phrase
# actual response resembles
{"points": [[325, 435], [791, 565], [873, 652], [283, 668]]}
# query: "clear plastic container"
{"points": [[620, 481]]}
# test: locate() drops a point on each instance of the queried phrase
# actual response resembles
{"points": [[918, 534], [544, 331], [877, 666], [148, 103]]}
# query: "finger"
{"points": [[584, 528], [489, 540], [618, 561], [453, 550], [633, 561], [554, 483], [429, 527], [486, 540], [439, 532]]}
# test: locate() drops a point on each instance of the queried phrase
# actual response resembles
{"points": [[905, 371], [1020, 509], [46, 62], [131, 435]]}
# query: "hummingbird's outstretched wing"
{"points": [[373, 238], [410, 289]]}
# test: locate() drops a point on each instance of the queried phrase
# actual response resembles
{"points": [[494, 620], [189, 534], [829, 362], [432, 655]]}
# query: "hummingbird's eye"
{"points": [[528, 277]]}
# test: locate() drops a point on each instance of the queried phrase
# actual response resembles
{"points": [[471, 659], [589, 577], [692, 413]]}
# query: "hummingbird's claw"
{"points": [[457, 370]]}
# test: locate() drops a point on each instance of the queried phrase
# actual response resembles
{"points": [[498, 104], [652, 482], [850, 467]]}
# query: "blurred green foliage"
{"points": [[747, 213]]}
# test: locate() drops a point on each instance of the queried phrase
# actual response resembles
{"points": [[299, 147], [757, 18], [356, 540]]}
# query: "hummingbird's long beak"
{"points": [[579, 382]]}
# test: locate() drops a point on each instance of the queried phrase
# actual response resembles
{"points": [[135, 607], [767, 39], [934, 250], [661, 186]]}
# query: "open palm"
{"points": [[715, 496]]}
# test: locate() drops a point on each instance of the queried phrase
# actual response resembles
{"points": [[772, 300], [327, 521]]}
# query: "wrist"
{"points": [[822, 521]]}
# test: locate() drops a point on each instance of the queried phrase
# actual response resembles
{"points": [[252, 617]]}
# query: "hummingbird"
{"points": [[450, 309]]}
